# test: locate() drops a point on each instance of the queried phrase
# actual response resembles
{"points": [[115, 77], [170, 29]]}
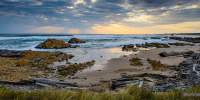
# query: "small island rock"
{"points": [[53, 44], [76, 40]]}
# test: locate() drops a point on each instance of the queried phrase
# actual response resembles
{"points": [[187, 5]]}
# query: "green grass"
{"points": [[130, 93], [135, 61]]}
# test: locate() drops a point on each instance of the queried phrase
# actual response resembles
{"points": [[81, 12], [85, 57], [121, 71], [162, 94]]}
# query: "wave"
{"points": [[93, 41]]}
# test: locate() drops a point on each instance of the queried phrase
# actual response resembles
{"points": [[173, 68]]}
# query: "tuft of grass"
{"points": [[156, 65], [135, 61], [129, 93], [73, 68]]}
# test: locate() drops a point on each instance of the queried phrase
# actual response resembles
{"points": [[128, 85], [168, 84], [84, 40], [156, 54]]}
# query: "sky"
{"points": [[100, 16]]}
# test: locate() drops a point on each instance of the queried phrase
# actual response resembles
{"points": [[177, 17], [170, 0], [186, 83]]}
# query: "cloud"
{"points": [[117, 28], [48, 29], [82, 14]]}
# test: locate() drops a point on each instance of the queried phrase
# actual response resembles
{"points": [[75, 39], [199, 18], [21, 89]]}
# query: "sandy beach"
{"points": [[116, 67]]}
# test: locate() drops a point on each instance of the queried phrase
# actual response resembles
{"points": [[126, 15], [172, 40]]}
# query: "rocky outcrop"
{"points": [[10, 53], [38, 83], [53, 44], [27, 64], [181, 44], [129, 48], [76, 40], [132, 47], [188, 74], [187, 39], [190, 69], [167, 54], [157, 45]]}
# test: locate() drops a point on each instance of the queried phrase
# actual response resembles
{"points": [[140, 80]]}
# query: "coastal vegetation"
{"points": [[156, 65], [135, 61], [28, 63], [129, 93], [73, 68]]}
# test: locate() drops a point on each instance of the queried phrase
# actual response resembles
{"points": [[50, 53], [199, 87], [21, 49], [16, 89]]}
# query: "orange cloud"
{"points": [[74, 31], [117, 28]]}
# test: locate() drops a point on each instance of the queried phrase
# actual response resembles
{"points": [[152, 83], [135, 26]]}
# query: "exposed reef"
{"points": [[76, 40], [53, 44]]}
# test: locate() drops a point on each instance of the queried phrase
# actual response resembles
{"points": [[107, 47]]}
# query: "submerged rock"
{"points": [[76, 40], [187, 39], [53, 44], [10, 53], [129, 48], [157, 45], [167, 54]]}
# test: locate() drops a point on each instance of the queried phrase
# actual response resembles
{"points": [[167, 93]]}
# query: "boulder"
{"points": [[10, 53], [76, 40], [167, 54], [129, 48], [53, 44]]}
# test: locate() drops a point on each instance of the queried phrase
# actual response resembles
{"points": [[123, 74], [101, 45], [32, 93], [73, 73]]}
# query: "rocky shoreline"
{"points": [[187, 76], [151, 69], [35, 69]]}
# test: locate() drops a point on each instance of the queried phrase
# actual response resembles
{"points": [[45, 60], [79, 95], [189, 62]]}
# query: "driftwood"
{"points": [[39, 82]]}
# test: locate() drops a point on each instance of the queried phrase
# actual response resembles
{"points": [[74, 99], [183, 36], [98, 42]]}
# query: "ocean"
{"points": [[28, 42]]}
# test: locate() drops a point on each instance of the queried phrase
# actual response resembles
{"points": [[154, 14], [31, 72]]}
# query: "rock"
{"points": [[187, 39], [181, 44], [41, 82], [76, 40], [167, 54], [10, 53], [157, 45], [129, 48], [53, 44]]}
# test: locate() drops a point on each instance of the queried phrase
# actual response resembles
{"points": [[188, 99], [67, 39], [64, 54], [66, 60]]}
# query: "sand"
{"points": [[115, 67]]}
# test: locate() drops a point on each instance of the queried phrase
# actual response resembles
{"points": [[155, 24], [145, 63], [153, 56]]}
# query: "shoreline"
{"points": [[118, 70]]}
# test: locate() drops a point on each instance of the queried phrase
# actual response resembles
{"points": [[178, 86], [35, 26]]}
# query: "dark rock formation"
{"points": [[167, 54], [10, 53], [181, 44], [76, 40], [188, 74], [187, 39], [38, 82], [53, 44], [157, 45], [129, 48]]}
